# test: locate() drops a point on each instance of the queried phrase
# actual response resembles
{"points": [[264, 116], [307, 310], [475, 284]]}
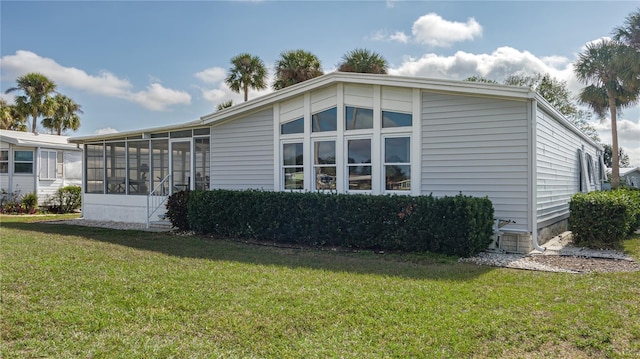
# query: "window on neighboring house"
{"points": [[291, 127], [160, 166], [358, 118], [324, 164], [397, 163], [48, 164], [326, 120], [359, 164], [396, 119], [138, 157], [202, 162], [94, 157], [4, 161], [293, 165], [23, 162]]}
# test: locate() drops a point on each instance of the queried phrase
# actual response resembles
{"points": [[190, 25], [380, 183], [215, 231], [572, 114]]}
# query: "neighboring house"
{"points": [[361, 133], [38, 163], [630, 176]]}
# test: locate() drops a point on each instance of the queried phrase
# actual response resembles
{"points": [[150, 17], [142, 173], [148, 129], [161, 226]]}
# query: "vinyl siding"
{"points": [[477, 146], [242, 153], [557, 167]]}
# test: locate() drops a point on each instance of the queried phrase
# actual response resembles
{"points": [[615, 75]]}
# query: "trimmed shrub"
{"points": [[603, 219], [177, 210], [460, 225], [66, 199]]}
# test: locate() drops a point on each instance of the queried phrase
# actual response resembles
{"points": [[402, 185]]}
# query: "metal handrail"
{"points": [[156, 203]]}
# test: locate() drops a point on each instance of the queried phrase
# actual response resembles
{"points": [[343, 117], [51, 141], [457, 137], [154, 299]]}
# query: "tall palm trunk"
{"points": [[34, 121], [615, 161]]}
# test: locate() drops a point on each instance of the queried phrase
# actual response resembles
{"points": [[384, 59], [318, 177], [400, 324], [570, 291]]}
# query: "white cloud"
{"points": [[628, 137], [105, 83], [212, 75], [432, 29], [106, 130], [503, 62]]}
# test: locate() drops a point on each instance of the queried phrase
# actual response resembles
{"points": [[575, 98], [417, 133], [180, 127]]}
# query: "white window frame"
{"points": [[385, 163], [314, 166], [16, 162], [45, 164], [282, 166], [345, 153]]}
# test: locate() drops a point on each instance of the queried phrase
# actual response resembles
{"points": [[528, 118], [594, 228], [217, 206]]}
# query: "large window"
{"points": [[4, 161], [95, 168], [116, 163], [324, 164], [397, 163], [358, 118], [138, 182], [359, 164], [48, 164], [293, 165], [23, 162], [323, 121]]}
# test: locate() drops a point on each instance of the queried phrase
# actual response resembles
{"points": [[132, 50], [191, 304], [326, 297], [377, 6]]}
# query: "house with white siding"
{"points": [[360, 133], [38, 163]]}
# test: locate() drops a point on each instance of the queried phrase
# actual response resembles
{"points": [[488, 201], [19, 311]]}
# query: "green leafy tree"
{"points": [[623, 158], [363, 61], [64, 115], [36, 90], [552, 89], [226, 104], [248, 72], [11, 118], [296, 66], [602, 66]]}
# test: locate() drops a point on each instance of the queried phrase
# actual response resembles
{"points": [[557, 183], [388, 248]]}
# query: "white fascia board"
{"points": [[558, 116], [450, 86], [123, 134]]}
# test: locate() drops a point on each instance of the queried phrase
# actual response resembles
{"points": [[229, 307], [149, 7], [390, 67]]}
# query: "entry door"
{"points": [[181, 165]]}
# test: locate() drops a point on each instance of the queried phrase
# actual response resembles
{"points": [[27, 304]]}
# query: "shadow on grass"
{"points": [[405, 265]]}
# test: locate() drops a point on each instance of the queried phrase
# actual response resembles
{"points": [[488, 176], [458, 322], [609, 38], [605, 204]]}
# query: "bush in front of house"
{"points": [[66, 199], [30, 202], [177, 210], [460, 225], [603, 219]]}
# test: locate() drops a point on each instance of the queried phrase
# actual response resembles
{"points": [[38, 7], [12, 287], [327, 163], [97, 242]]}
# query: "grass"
{"points": [[70, 292]]}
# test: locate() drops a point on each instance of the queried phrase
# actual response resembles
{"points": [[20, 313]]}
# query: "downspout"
{"points": [[533, 146]]}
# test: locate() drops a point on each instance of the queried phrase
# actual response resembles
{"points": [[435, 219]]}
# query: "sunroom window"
{"points": [[324, 164], [396, 119], [358, 118], [397, 163], [293, 165], [326, 120], [291, 127], [359, 164], [94, 157]]}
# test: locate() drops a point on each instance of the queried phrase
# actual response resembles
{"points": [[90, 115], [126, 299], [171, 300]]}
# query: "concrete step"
{"points": [[161, 224]]}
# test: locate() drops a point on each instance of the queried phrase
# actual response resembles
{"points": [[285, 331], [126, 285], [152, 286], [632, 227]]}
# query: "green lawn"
{"points": [[77, 292]]}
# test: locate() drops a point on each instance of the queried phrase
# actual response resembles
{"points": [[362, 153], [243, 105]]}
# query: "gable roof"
{"points": [[28, 139], [426, 84]]}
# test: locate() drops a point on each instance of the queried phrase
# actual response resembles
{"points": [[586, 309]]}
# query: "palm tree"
{"points": [[11, 118], [630, 32], [296, 66], [247, 72], [64, 115], [602, 66], [363, 61], [36, 89]]}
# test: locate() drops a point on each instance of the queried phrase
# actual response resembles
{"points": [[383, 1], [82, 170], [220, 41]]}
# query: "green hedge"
{"points": [[460, 225], [604, 219]]}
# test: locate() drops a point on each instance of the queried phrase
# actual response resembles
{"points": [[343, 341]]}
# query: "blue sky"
{"points": [[141, 64]]}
